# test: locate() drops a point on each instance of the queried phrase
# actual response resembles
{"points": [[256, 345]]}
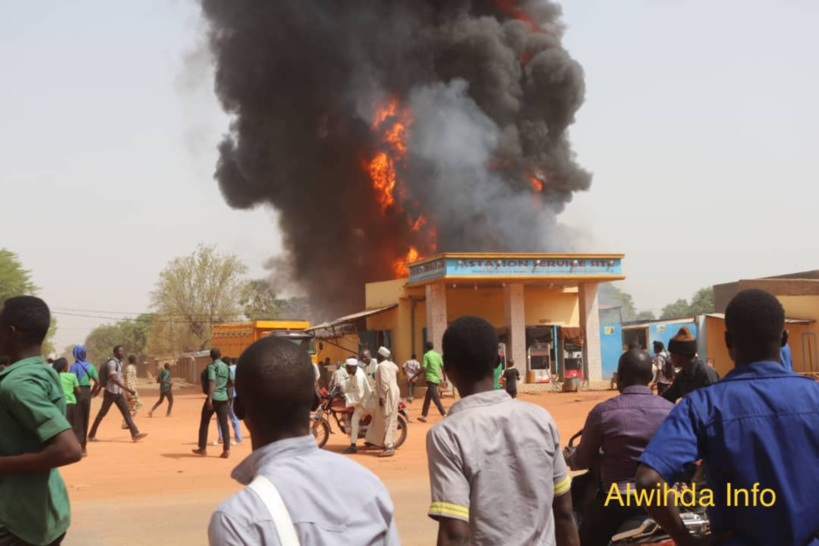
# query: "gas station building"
{"points": [[544, 307]]}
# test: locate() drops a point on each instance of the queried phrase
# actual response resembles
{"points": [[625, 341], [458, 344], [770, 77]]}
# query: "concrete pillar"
{"points": [[515, 316], [590, 322], [436, 314]]}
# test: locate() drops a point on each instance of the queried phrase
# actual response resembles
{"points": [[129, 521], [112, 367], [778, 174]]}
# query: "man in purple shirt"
{"points": [[621, 428]]}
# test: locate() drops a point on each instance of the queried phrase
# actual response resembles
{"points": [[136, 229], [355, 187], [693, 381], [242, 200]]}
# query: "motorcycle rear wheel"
{"points": [[321, 431], [401, 432]]}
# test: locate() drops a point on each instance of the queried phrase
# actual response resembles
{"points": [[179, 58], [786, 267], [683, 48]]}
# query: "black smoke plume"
{"points": [[490, 91]]}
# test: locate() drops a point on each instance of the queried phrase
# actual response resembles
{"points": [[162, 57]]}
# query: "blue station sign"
{"points": [[512, 266]]}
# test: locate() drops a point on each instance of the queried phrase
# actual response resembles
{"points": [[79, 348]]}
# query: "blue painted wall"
{"points": [[611, 347], [656, 333]]}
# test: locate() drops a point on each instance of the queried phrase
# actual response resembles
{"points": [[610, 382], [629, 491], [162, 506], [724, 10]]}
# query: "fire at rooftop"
{"points": [[384, 132]]}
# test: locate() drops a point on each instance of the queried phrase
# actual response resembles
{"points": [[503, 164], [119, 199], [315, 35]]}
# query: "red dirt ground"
{"points": [[158, 491]]}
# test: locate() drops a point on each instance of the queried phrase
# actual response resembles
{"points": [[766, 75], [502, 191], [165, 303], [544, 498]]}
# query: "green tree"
{"points": [[130, 333], [259, 301], [678, 309], [703, 301], [611, 296], [15, 280], [645, 315], [198, 290]]}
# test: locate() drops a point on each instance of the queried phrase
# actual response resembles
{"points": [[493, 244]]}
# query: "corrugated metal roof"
{"points": [[647, 323], [334, 328], [721, 316]]}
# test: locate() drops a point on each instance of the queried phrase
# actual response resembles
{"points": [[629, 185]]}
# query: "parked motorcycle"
{"points": [[637, 530], [334, 404]]}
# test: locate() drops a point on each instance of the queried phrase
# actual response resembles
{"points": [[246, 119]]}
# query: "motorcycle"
{"points": [[334, 404], [637, 530]]}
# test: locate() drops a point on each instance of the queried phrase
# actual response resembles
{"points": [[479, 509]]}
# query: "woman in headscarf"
{"points": [[86, 374]]}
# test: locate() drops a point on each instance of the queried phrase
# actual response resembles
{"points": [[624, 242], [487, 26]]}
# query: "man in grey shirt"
{"points": [[329, 499], [496, 471], [113, 396]]}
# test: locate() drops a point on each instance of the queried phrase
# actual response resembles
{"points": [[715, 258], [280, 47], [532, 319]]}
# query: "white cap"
{"points": [[383, 351], [352, 362]]}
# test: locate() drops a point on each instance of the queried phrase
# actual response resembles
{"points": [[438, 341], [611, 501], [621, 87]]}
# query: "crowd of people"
{"points": [[497, 472]]}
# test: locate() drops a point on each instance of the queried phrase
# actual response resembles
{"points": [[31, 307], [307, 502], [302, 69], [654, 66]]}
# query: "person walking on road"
{"points": [[71, 389], [218, 375], [663, 368], [510, 379], [165, 390], [381, 431], [114, 386], [412, 370], [433, 374], [237, 431], [88, 380], [134, 401]]}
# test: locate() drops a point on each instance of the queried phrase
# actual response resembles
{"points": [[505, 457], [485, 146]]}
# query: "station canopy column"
{"points": [[515, 317], [590, 323], [436, 314]]}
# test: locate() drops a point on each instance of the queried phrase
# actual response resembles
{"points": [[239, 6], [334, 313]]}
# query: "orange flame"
{"points": [[382, 167], [401, 266], [537, 184], [511, 8], [392, 122]]}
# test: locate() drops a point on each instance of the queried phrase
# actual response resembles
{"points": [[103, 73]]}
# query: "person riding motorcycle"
{"points": [[621, 427], [359, 395]]}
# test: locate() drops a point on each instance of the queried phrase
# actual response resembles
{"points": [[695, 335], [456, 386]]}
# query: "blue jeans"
{"points": [[237, 431]]}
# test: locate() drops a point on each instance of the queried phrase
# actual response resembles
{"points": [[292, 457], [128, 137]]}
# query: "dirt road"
{"points": [[157, 491]]}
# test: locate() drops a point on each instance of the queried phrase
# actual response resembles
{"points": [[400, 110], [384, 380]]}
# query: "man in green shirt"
{"points": [[165, 386], [35, 437], [216, 402], [434, 374]]}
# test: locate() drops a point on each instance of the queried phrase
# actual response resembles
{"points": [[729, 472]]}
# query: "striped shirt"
{"points": [[496, 463]]}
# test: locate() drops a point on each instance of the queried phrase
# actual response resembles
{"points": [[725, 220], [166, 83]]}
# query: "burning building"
{"points": [[544, 307], [384, 132]]}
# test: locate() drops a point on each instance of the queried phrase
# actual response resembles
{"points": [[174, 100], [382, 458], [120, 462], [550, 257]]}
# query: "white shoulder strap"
{"points": [[269, 495]]}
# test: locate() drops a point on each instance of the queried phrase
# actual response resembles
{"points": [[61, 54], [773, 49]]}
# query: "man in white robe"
{"points": [[359, 396], [385, 419]]}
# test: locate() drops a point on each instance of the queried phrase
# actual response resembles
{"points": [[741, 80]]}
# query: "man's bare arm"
{"points": [[453, 532], [664, 513], [60, 450], [565, 527]]}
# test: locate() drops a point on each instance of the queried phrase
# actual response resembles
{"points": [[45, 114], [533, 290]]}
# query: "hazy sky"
{"points": [[700, 125]]}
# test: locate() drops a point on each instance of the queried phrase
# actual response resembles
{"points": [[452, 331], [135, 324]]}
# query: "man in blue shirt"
{"points": [[756, 429], [785, 356]]}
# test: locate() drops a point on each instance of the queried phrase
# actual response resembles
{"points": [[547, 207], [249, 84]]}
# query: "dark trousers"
{"points": [[162, 397], [72, 415], [662, 387], [83, 414], [512, 392], [432, 395], [122, 406], [220, 408], [7, 539], [604, 521]]}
